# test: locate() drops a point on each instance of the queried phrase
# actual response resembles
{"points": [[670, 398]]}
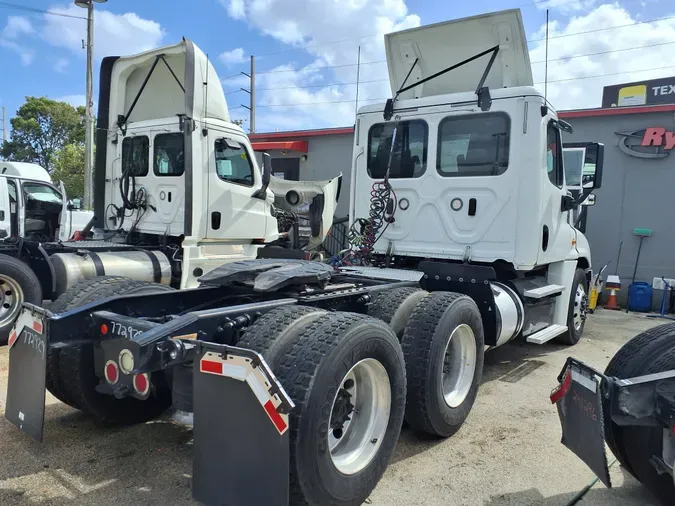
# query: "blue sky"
{"points": [[41, 54]]}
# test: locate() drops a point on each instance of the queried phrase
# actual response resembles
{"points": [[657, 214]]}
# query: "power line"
{"points": [[324, 102], [39, 11], [326, 85], [606, 75], [606, 52], [604, 29], [540, 82]]}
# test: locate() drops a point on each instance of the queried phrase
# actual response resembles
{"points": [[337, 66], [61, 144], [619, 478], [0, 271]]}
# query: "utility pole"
{"points": [[89, 119], [251, 92], [4, 126], [251, 122]]}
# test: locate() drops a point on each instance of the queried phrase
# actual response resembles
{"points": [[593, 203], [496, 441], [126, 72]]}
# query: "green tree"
{"points": [[68, 164], [42, 127]]}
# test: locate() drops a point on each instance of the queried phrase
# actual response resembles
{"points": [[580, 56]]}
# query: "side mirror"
{"points": [[595, 158], [266, 175]]}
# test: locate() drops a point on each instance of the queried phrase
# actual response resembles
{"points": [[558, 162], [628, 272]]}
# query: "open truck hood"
{"points": [[183, 81], [442, 45]]}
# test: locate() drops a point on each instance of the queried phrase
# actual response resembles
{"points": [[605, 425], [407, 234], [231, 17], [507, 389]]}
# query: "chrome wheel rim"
{"points": [[459, 365], [580, 307], [359, 416], [11, 299]]}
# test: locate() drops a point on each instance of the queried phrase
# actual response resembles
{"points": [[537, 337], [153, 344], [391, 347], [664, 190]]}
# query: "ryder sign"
{"points": [[653, 142]]}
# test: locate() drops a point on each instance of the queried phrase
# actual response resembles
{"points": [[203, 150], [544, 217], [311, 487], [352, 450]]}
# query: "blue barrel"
{"points": [[640, 297]]}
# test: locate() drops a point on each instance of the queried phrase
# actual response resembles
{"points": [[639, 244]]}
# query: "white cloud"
{"points": [[16, 26], [74, 100], [316, 26], [571, 82], [61, 64], [235, 8], [25, 54], [116, 34], [232, 57], [566, 5]]}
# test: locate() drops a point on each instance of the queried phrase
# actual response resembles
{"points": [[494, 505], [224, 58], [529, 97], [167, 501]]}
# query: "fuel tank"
{"points": [[70, 268]]}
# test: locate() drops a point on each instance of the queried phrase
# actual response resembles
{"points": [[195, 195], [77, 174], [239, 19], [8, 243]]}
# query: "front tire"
{"points": [[443, 348], [71, 373], [576, 313], [18, 284], [346, 375]]}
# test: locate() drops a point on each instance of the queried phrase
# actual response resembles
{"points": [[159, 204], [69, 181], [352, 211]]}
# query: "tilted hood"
{"points": [[166, 82], [442, 45]]}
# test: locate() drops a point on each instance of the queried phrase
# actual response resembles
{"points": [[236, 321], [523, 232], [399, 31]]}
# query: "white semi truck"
{"points": [[33, 210], [298, 375]]}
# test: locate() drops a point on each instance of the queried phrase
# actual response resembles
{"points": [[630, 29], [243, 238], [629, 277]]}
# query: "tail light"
{"points": [[126, 360], [142, 384], [111, 372]]}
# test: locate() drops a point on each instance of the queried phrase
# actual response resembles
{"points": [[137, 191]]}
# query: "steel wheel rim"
{"points": [[361, 436], [579, 309], [459, 365], [11, 299]]}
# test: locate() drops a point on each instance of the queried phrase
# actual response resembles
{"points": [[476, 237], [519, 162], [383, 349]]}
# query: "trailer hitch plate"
{"points": [[579, 401], [25, 406]]}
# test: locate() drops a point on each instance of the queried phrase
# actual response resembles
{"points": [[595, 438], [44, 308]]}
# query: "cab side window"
{"points": [[233, 163], [554, 155], [169, 159], [135, 155]]}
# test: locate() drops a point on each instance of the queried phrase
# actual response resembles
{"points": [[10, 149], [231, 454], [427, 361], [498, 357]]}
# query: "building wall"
{"points": [[635, 193], [327, 157]]}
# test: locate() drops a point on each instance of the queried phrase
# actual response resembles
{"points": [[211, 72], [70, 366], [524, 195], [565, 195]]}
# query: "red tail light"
{"points": [[142, 384], [111, 372]]}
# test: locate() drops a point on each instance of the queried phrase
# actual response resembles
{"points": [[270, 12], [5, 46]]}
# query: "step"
{"points": [[546, 334], [543, 291]]}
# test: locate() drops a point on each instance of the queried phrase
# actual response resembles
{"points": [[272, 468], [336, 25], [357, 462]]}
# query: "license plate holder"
{"points": [[579, 402], [25, 406]]}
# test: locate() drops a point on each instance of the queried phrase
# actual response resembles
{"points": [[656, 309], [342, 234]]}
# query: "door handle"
{"points": [[215, 220]]}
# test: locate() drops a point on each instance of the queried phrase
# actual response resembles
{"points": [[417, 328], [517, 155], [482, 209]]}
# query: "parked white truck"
{"points": [[297, 375], [33, 210]]}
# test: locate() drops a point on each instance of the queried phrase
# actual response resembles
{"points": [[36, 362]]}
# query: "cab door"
{"points": [[556, 232], [5, 209], [234, 213]]}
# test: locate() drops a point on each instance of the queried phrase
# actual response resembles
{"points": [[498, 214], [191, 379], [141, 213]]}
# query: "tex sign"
{"points": [[653, 142]]}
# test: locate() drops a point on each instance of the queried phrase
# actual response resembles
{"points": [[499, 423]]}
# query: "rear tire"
{"points": [[18, 284], [315, 371], [639, 444], [576, 314], [272, 333], [443, 348], [633, 357], [394, 307], [71, 375]]}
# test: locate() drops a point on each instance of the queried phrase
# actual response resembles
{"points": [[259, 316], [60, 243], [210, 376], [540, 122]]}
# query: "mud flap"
{"points": [[579, 401], [241, 446], [25, 406]]}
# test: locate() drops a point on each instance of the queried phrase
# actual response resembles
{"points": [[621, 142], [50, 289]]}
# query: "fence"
{"points": [[337, 237]]}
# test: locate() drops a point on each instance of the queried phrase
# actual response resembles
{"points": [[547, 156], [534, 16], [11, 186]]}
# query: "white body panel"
{"points": [[512, 208], [437, 47], [24, 170]]}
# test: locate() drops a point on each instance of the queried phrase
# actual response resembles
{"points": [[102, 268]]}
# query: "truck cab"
{"points": [[173, 171], [472, 159], [33, 208]]}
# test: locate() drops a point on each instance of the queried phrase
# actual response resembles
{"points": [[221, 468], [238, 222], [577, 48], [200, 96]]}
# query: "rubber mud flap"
{"points": [[25, 406], [241, 447], [579, 402]]}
